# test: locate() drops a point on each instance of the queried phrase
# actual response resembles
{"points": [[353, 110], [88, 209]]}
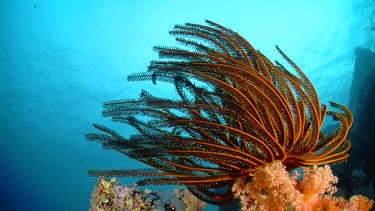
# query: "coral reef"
{"points": [[239, 121], [109, 195], [235, 111]]}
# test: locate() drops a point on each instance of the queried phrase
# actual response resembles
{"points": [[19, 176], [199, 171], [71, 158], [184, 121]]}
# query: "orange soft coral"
{"points": [[272, 188]]}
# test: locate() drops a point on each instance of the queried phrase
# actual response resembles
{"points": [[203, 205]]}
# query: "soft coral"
{"points": [[272, 188]]}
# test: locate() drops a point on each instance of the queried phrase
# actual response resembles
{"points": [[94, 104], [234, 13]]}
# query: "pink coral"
{"points": [[272, 188]]}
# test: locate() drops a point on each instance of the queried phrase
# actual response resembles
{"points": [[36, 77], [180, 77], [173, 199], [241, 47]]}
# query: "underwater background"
{"points": [[60, 60]]}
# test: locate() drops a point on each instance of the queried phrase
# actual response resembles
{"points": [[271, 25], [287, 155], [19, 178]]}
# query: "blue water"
{"points": [[59, 60]]}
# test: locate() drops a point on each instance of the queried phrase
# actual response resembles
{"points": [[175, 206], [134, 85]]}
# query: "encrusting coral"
{"points": [[191, 202], [272, 188]]}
